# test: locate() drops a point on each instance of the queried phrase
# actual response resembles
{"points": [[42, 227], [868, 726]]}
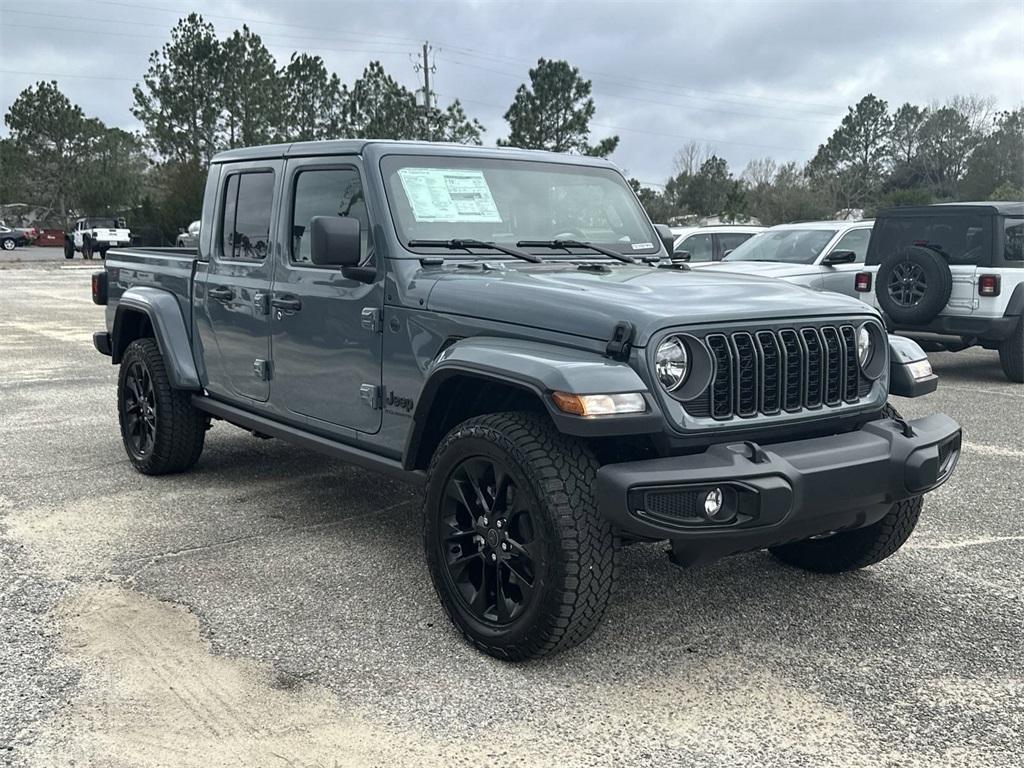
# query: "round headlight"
{"points": [[671, 363], [863, 345]]}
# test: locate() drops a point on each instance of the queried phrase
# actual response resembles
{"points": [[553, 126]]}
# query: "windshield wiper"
{"points": [[567, 244], [460, 244]]}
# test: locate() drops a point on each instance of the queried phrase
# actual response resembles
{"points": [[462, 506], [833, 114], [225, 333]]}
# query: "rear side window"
{"points": [[327, 192], [856, 241], [962, 238], [729, 240], [1013, 247], [698, 246], [245, 223]]}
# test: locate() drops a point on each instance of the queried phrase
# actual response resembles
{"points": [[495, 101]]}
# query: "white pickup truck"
{"points": [[93, 235]]}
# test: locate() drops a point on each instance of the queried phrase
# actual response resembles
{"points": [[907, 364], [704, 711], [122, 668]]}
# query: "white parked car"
{"points": [[189, 238], [93, 235], [818, 254], [710, 243]]}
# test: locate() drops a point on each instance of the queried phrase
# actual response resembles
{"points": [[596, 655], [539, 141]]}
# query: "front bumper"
{"points": [[778, 493]]}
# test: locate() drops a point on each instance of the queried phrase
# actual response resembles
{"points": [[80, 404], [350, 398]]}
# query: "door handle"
{"points": [[221, 294], [287, 303]]}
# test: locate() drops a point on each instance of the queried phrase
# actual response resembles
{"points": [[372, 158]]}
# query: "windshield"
{"points": [[512, 201], [789, 246]]}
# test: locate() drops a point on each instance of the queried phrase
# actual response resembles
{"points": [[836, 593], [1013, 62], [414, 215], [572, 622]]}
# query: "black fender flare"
{"points": [[539, 369], [164, 313], [1015, 307]]}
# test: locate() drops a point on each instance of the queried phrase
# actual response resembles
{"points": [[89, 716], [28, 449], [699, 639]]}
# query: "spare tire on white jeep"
{"points": [[914, 284]]}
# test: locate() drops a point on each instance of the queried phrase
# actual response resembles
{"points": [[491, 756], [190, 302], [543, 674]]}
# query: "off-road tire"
{"points": [[938, 282], [580, 548], [69, 249], [180, 428], [861, 547], [1011, 354], [103, 253], [86, 248]]}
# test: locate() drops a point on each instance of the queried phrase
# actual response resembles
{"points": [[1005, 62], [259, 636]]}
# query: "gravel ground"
{"points": [[272, 608]]}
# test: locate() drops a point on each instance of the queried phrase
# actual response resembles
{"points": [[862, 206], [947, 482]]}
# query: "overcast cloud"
{"points": [[749, 78]]}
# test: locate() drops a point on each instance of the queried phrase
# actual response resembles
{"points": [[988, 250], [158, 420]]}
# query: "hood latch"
{"points": [[621, 342]]}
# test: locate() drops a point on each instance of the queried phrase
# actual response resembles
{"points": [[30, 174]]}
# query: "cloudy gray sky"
{"points": [[754, 78]]}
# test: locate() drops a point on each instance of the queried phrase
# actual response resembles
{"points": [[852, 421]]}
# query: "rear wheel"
{"points": [[1011, 354], [69, 249], [518, 554], [9, 244], [86, 248], [859, 548], [161, 430]]}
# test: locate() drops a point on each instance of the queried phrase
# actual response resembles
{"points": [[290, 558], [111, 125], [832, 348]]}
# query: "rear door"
{"points": [[839, 278], [728, 241], [232, 307], [326, 328]]}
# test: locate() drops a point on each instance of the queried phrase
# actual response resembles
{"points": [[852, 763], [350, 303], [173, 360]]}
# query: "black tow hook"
{"points": [[904, 425], [755, 453]]}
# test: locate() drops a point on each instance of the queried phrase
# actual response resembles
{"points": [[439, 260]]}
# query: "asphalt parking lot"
{"points": [[272, 608]]}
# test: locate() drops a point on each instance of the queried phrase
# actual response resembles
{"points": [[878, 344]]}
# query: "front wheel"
{"points": [[861, 547], [9, 244], [161, 430], [86, 249], [521, 560]]}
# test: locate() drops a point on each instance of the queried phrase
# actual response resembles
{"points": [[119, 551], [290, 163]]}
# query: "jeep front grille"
{"points": [[787, 370]]}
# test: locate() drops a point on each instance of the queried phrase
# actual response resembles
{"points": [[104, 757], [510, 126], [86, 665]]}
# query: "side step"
{"points": [[269, 427]]}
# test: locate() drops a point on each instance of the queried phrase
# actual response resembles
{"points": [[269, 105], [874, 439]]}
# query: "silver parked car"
{"points": [[189, 238], [818, 254], [711, 242]]}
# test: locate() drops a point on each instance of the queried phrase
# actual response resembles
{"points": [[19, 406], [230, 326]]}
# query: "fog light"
{"points": [[714, 501]]}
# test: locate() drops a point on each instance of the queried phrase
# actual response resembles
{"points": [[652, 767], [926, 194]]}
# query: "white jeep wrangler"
{"points": [[93, 235], [951, 276]]}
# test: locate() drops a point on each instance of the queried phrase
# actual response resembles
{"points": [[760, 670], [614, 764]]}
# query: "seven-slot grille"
{"points": [[772, 371]]}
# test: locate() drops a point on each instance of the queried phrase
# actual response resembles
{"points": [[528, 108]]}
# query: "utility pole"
{"points": [[428, 95]]}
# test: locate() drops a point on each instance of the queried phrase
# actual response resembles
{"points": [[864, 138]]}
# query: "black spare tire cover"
{"points": [[913, 285]]}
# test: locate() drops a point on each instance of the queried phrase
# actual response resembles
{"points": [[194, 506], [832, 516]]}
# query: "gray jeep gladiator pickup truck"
{"points": [[505, 328]]}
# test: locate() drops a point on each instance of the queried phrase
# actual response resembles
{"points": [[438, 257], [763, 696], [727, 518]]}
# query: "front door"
{"points": [[840, 278], [326, 328], [232, 306]]}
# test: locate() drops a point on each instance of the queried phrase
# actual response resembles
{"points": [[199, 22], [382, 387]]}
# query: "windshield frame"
{"points": [[389, 163], [833, 233]]}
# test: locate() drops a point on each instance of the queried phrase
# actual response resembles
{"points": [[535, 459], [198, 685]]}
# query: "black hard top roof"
{"points": [[1005, 208], [382, 146]]}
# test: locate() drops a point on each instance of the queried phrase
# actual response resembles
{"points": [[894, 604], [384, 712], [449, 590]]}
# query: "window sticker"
{"points": [[448, 195], [642, 246]]}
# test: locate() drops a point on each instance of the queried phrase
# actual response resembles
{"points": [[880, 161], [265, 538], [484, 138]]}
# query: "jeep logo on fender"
{"points": [[395, 401]]}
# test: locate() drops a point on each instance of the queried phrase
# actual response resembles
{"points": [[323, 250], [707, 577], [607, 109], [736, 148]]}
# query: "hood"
{"points": [[583, 303], [776, 269]]}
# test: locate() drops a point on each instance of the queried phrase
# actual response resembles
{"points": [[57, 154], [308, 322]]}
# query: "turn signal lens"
{"points": [[599, 405], [862, 282], [920, 369]]}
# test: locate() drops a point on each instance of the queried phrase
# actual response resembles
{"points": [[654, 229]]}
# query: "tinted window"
{"points": [[856, 241], [699, 247], [729, 240], [962, 238], [1013, 248], [245, 227], [333, 192]]}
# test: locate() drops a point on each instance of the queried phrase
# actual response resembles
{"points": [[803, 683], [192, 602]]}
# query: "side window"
{"points": [[729, 240], [329, 192], [699, 246], [1013, 248], [857, 241], [245, 226]]}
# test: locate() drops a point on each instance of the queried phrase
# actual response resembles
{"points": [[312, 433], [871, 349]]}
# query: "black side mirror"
{"points": [[665, 235], [681, 256], [726, 253], [334, 241], [839, 257]]}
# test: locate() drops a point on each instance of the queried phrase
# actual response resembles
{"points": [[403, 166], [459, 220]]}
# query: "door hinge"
{"points": [[261, 301], [370, 395], [262, 369], [371, 320]]}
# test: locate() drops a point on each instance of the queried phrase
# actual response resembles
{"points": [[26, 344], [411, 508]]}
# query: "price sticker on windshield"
{"points": [[448, 195]]}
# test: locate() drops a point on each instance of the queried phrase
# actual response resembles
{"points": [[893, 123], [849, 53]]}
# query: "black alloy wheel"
{"points": [[140, 409], [490, 544], [907, 284]]}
